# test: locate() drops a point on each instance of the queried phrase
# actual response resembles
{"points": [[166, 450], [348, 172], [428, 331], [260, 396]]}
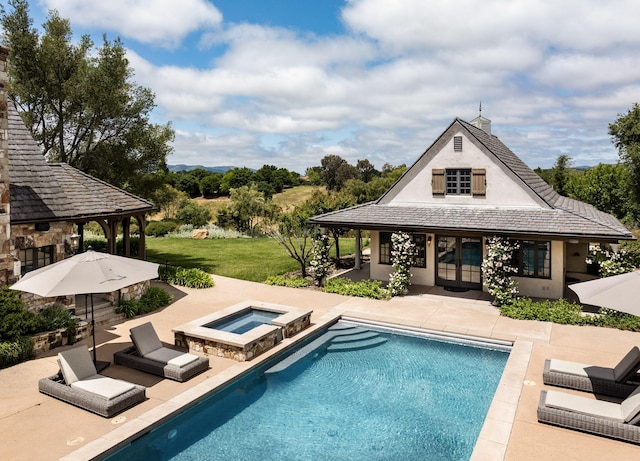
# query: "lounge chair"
{"points": [[619, 381], [149, 355], [616, 420], [79, 384]]}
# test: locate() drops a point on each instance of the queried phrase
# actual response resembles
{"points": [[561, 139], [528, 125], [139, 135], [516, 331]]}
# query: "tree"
{"points": [[336, 171], [604, 186], [247, 205], [560, 173], [625, 135], [210, 185], [295, 235], [188, 184], [194, 214], [366, 170], [235, 178], [82, 106]]}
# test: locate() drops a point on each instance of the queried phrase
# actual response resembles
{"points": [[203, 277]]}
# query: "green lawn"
{"points": [[247, 259]]}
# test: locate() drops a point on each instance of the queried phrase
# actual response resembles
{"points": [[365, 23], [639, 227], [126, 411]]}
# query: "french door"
{"points": [[459, 262]]}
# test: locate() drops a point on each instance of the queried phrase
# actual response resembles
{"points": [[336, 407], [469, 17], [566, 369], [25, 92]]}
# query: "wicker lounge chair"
{"points": [[147, 354], [616, 420], [619, 381], [79, 384]]}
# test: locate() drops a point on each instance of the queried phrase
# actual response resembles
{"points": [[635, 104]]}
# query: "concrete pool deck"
{"points": [[35, 426]]}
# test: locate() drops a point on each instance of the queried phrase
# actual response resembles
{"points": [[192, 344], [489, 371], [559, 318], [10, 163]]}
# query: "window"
{"points": [[458, 181], [457, 143], [420, 241], [533, 259], [34, 258]]}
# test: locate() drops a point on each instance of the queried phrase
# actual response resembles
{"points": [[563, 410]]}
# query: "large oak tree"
{"points": [[82, 105]]}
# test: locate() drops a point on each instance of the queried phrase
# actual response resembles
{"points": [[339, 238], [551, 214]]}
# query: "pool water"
{"points": [[244, 321], [354, 394]]}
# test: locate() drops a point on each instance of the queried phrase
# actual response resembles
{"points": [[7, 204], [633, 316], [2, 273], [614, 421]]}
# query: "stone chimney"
{"points": [[6, 245]]}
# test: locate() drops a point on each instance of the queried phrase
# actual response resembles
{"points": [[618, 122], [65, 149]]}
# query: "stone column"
{"points": [[6, 256]]}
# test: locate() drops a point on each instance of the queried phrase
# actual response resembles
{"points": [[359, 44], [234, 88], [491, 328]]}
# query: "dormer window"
{"points": [[457, 143]]}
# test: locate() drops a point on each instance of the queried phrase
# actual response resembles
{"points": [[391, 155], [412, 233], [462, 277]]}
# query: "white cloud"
{"points": [[551, 75], [162, 23]]}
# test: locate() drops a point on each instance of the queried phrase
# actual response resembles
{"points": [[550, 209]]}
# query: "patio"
{"points": [[37, 426]]}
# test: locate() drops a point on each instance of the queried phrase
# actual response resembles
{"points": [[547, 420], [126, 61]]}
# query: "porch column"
{"points": [[142, 227], [126, 237], [358, 250]]}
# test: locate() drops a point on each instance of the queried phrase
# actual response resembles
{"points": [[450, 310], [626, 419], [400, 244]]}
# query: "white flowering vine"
{"points": [[497, 269], [403, 252], [320, 264], [609, 261]]}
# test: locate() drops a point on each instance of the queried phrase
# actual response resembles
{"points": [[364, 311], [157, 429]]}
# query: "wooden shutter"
{"points": [[437, 181], [479, 181]]}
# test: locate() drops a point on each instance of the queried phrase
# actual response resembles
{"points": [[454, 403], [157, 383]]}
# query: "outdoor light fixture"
{"points": [[75, 241], [429, 240]]}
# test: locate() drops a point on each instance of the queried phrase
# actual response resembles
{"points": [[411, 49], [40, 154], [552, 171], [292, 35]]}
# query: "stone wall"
{"points": [[48, 340], [229, 351]]}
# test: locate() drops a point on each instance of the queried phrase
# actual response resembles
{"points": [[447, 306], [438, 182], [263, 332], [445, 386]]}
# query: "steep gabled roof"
{"points": [[561, 217], [56, 192]]}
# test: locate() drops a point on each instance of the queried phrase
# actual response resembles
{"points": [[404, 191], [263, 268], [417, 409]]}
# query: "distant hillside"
{"points": [[214, 169]]}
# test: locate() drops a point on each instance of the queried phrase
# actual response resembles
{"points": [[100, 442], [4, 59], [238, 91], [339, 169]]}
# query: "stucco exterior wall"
{"points": [[502, 188], [552, 288], [420, 276]]}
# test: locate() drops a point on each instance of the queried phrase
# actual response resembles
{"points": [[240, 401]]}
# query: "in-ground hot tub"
{"points": [[242, 331]]}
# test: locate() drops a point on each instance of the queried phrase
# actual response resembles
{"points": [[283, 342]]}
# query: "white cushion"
{"points": [[145, 339], [171, 357], [629, 364], [581, 369], [76, 364], [104, 386], [585, 406], [631, 405]]}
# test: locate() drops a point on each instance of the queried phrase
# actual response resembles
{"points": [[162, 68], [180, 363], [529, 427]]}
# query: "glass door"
{"points": [[459, 262]]}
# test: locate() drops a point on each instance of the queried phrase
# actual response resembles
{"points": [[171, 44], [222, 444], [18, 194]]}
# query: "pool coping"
{"points": [[492, 440]]}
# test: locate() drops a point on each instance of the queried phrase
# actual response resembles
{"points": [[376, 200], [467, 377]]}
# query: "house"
{"points": [[41, 204], [465, 188]]}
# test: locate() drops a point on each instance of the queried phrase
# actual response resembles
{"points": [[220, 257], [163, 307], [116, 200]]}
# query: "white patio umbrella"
{"points": [[87, 273], [618, 292]]}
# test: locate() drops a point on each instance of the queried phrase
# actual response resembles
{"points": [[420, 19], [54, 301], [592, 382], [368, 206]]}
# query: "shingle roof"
{"points": [[564, 217], [41, 191]]}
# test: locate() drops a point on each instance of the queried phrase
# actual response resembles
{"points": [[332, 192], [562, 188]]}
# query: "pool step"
{"points": [[339, 337], [356, 345]]}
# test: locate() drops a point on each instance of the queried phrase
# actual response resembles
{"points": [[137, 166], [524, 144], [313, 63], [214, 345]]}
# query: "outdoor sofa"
{"points": [[79, 384], [616, 420], [149, 355], [619, 381]]}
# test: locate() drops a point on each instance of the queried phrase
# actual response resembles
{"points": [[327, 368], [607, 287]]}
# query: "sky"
{"points": [[286, 82]]}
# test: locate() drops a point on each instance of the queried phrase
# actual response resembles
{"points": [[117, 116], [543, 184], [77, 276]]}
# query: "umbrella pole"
{"points": [[93, 331]]}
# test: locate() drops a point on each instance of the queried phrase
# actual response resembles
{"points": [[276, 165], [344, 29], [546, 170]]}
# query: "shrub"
{"points": [[320, 264], [194, 214], [54, 317], [560, 311], [15, 320], [402, 256], [154, 298], [161, 228], [191, 278], [15, 351], [291, 282], [365, 289], [614, 319]]}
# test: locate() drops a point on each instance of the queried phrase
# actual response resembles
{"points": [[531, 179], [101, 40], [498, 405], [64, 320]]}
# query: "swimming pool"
{"points": [[355, 393]]}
